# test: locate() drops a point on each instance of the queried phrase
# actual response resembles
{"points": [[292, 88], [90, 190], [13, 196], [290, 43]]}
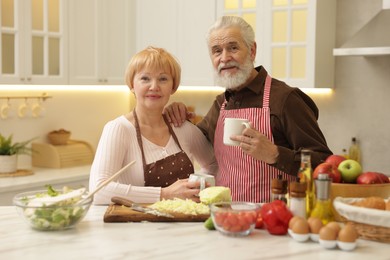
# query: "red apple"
{"points": [[384, 177], [372, 178], [335, 159], [329, 169]]}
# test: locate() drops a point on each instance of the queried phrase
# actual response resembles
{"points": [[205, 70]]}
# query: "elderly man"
{"points": [[283, 119]]}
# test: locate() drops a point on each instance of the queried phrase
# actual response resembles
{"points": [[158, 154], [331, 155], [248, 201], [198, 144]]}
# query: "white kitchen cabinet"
{"points": [[101, 34], [179, 26], [362, 51], [295, 38], [33, 42]]}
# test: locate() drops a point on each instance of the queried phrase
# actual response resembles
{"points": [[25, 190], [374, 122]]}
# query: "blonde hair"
{"points": [[153, 57]]}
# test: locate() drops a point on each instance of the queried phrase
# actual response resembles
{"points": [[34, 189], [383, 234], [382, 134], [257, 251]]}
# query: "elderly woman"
{"points": [[163, 153]]}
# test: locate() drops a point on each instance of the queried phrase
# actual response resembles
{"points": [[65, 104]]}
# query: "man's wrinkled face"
{"points": [[231, 58]]}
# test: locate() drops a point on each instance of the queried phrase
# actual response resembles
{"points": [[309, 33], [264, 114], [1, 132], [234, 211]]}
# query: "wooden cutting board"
{"points": [[119, 213]]}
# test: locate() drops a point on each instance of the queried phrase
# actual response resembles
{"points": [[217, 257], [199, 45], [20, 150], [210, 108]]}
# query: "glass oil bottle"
{"points": [[323, 206], [354, 152], [305, 174]]}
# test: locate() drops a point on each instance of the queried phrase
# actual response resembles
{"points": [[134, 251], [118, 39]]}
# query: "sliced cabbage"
{"points": [[187, 207]]}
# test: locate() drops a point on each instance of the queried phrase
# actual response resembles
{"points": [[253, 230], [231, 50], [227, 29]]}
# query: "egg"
{"points": [[348, 234], [334, 225], [300, 230], [327, 237], [328, 233], [300, 226], [315, 225], [293, 220]]}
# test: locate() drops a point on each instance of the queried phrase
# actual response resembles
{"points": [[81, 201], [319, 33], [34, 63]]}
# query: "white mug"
{"points": [[234, 126], [37, 110], [5, 111], [23, 110], [203, 178]]}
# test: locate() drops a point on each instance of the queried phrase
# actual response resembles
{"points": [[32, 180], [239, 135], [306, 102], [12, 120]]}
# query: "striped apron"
{"points": [[248, 179]]}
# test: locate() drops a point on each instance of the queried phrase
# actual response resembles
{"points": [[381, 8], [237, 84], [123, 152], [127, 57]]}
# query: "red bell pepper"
{"points": [[276, 216]]}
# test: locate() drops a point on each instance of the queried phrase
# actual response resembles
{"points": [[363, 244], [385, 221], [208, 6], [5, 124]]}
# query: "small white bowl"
{"points": [[346, 246], [328, 244], [314, 237], [300, 237]]}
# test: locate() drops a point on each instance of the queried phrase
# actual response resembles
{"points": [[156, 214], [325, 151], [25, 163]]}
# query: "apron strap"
{"points": [[172, 132], [139, 137], [267, 90]]}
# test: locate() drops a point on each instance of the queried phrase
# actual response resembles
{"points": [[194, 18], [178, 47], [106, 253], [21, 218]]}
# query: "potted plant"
{"points": [[9, 151]]}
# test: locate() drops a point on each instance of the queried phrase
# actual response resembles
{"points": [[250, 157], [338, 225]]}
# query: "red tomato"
{"points": [[232, 218], [245, 226], [219, 218], [235, 228], [235, 222], [247, 217], [259, 222], [276, 216]]}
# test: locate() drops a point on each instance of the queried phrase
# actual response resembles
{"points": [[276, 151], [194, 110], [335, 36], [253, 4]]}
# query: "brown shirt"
{"points": [[293, 120]]}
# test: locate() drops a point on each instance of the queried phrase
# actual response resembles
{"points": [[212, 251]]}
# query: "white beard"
{"points": [[229, 81]]}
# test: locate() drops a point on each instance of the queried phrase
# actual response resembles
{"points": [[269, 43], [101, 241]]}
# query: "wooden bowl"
{"points": [[59, 137], [358, 191]]}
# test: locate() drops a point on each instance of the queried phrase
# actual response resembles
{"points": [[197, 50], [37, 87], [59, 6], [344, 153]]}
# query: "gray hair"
{"points": [[247, 32]]}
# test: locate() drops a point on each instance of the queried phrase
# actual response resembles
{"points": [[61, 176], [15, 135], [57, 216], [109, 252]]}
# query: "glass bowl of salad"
{"points": [[53, 209]]}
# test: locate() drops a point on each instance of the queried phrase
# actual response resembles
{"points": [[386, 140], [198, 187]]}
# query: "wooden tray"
{"points": [[119, 213]]}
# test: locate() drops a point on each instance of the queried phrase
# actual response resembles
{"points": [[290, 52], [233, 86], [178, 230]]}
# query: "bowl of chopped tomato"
{"points": [[234, 218]]}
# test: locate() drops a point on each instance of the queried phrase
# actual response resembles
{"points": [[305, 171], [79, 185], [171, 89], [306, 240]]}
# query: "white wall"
{"points": [[360, 103]]}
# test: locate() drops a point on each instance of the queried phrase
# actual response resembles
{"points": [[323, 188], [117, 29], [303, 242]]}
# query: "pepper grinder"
{"points": [[279, 189]]}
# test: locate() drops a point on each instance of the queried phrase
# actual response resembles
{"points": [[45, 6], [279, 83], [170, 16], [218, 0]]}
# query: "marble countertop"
{"points": [[94, 239], [43, 176]]}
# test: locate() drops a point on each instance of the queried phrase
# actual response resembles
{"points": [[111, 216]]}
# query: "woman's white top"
{"points": [[118, 146]]}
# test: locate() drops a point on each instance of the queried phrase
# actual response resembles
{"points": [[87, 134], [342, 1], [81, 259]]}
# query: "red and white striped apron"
{"points": [[248, 179]]}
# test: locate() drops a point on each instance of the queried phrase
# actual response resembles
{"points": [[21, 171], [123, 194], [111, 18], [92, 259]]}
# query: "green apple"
{"points": [[350, 170]]}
